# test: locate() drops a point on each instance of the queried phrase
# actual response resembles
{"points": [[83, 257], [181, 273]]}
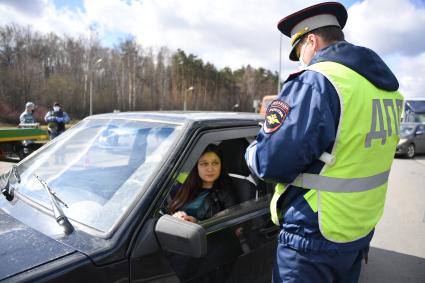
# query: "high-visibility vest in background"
{"points": [[349, 193]]}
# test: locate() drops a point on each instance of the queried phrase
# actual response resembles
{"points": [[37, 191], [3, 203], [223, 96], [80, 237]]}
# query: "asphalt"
{"points": [[397, 251]]}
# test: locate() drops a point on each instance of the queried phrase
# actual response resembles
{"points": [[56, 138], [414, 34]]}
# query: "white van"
{"points": [[414, 110]]}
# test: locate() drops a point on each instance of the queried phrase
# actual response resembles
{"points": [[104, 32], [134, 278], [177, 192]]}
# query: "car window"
{"points": [[406, 130], [248, 193], [236, 233], [98, 167]]}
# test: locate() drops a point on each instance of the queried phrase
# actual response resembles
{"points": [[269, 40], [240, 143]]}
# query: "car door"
{"points": [[241, 240]]}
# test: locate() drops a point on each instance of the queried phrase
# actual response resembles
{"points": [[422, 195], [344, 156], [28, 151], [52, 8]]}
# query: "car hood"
{"points": [[22, 248]]}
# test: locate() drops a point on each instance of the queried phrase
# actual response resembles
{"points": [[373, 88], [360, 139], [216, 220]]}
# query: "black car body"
{"points": [[114, 172], [412, 139]]}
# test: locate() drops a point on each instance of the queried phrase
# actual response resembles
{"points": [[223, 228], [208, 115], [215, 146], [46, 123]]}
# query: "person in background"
{"points": [[27, 117], [56, 120]]}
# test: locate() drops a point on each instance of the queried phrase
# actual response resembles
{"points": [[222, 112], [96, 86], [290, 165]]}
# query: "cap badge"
{"points": [[299, 34]]}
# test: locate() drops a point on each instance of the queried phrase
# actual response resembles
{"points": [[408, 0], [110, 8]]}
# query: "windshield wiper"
{"points": [[60, 216], [7, 190]]}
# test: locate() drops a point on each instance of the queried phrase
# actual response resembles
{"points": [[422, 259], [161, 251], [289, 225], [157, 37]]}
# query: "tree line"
{"points": [[44, 68]]}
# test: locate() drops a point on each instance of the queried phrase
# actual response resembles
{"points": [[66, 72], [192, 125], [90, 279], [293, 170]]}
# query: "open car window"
{"points": [[250, 194]]}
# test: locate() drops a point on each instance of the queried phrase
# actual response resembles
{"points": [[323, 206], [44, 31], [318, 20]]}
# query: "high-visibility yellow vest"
{"points": [[349, 193]]}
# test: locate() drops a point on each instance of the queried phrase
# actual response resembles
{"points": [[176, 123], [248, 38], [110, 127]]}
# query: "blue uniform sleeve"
{"points": [[308, 129], [65, 117]]}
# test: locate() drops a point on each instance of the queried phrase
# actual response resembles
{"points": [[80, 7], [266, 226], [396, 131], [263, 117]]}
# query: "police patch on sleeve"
{"points": [[275, 115]]}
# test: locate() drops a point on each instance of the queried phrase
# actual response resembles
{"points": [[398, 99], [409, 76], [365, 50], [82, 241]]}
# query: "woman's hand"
{"points": [[183, 215], [180, 214], [191, 219]]}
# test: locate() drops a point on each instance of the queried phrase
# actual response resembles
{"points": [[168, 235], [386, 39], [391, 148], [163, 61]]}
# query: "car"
{"points": [[412, 139], [89, 205]]}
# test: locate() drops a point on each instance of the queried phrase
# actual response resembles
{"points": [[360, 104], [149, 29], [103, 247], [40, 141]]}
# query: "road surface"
{"points": [[398, 248]]}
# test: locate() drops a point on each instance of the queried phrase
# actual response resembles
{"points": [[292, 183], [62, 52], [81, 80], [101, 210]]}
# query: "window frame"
{"points": [[245, 212]]}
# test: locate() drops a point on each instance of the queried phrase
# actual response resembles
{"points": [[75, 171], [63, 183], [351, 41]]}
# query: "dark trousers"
{"points": [[316, 267], [54, 134]]}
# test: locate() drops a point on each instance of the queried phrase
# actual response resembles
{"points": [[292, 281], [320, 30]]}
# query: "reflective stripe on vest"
{"points": [[340, 185]]}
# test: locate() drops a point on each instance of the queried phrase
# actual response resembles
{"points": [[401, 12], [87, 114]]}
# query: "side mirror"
{"points": [[181, 237], [419, 132]]}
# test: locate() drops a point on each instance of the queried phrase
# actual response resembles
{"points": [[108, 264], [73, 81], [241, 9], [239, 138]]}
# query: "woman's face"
{"points": [[209, 168]]}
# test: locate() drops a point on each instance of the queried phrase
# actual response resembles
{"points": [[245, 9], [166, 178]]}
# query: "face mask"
{"points": [[303, 64], [56, 108]]}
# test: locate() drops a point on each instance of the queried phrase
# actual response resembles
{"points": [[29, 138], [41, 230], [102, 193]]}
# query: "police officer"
{"points": [[27, 117], [329, 140], [56, 119]]}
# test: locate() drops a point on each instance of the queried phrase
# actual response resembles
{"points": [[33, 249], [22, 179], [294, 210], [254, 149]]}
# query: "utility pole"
{"points": [[91, 84], [280, 64], [184, 101]]}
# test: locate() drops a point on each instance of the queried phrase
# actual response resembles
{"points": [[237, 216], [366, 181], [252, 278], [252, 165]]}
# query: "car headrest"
{"points": [[233, 156]]}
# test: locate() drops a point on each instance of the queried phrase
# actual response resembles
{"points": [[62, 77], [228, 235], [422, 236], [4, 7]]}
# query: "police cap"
{"points": [[320, 15]]}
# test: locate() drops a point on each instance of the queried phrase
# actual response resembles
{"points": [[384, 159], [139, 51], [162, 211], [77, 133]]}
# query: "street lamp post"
{"points": [[91, 84], [184, 101], [280, 64]]}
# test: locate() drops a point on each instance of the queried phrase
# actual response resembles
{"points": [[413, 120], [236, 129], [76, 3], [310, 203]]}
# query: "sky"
{"points": [[233, 33]]}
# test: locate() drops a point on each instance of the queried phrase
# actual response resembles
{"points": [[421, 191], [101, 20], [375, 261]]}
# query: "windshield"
{"points": [[406, 130], [98, 167]]}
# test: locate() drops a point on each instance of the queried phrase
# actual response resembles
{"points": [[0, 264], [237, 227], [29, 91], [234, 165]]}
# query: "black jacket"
{"points": [[209, 201]]}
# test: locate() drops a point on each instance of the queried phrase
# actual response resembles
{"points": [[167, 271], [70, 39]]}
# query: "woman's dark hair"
{"points": [[193, 182]]}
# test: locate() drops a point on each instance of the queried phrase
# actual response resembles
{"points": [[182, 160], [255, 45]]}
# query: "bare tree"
{"points": [[45, 68]]}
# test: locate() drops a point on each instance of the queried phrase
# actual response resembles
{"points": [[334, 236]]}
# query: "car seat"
{"points": [[234, 163]]}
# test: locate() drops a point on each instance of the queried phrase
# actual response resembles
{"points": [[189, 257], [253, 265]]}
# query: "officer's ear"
{"points": [[311, 40], [316, 42]]}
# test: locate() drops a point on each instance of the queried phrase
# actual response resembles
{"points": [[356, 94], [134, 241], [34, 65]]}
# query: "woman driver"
{"points": [[206, 191]]}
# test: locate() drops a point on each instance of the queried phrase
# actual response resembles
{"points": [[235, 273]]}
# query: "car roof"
{"points": [[412, 124], [415, 99], [269, 96], [180, 117]]}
